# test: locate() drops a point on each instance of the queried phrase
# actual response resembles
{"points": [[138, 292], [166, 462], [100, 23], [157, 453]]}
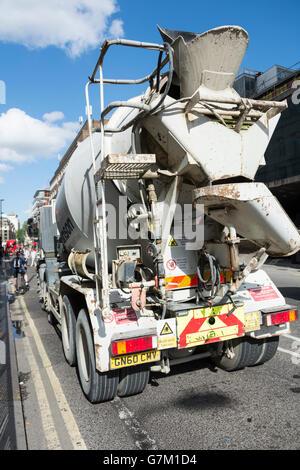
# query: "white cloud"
{"points": [[53, 116], [72, 25], [25, 139], [4, 168], [116, 29]]}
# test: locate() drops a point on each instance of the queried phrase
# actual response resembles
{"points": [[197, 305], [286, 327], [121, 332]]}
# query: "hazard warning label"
{"points": [[171, 264], [166, 329], [173, 242], [263, 293], [166, 333]]}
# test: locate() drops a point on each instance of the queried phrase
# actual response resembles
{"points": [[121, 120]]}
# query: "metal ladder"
{"points": [[115, 166]]}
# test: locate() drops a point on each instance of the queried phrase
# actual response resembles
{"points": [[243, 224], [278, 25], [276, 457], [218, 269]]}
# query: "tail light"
{"points": [[132, 345], [281, 317]]}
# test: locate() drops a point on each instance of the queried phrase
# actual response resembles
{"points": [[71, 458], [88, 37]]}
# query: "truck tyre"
{"points": [[51, 318], [46, 304], [268, 350], [44, 295], [133, 380], [68, 330], [257, 347], [243, 354], [97, 386]]}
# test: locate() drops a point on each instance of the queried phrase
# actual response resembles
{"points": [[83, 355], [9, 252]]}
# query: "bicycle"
{"points": [[22, 287]]}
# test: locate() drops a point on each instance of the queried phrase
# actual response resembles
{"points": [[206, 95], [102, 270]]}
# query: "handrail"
{"points": [[112, 81], [144, 110], [122, 42]]}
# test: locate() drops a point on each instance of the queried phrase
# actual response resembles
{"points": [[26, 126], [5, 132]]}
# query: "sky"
{"points": [[49, 48]]}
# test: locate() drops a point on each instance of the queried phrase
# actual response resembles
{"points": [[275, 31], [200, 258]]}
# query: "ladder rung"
{"points": [[124, 166]]}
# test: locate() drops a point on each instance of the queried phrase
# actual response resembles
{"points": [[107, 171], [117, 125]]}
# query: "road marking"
{"points": [[142, 439], [289, 352], [292, 337], [50, 433], [67, 415]]}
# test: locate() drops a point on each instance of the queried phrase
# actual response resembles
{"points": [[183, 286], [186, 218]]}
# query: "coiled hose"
{"points": [[212, 283]]}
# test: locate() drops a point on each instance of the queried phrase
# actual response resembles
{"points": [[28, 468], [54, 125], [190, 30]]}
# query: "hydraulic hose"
{"points": [[212, 283]]}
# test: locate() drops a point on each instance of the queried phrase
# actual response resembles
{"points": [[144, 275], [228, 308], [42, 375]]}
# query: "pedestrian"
{"points": [[33, 256], [19, 267], [26, 253]]}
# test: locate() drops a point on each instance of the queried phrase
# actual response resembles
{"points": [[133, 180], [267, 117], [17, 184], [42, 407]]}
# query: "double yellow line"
{"points": [[50, 432]]}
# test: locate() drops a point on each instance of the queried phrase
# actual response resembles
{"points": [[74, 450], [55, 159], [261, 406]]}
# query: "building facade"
{"points": [[7, 230], [282, 171], [14, 219]]}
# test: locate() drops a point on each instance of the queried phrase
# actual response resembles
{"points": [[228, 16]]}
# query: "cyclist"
{"points": [[19, 267]]}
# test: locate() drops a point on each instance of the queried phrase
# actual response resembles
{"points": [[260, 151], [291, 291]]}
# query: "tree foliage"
{"points": [[21, 233]]}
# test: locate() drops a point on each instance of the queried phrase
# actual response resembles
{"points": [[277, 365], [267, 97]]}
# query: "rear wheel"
{"points": [[44, 295], [237, 354], [68, 330], [268, 349], [133, 380], [97, 386]]}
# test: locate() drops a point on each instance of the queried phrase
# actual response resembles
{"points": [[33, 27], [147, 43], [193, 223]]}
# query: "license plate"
{"points": [[252, 321], [134, 359]]}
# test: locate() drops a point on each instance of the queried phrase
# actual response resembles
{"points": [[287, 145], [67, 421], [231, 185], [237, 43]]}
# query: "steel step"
{"points": [[124, 166]]}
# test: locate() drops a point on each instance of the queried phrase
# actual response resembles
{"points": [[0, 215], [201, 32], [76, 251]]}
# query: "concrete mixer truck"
{"points": [[152, 249]]}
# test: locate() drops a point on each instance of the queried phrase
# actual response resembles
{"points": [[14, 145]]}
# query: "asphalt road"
{"points": [[195, 407]]}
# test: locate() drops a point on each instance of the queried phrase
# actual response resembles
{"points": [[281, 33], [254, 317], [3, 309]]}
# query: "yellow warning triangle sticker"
{"points": [[166, 330], [172, 242]]}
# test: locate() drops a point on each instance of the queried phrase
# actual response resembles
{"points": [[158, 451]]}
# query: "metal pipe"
{"points": [[112, 81], [182, 360], [103, 227], [194, 357], [122, 42], [124, 104], [202, 110], [97, 274], [143, 114], [203, 96]]}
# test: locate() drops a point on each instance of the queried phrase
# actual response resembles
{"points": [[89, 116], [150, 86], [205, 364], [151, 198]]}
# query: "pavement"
{"points": [[12, 431]]}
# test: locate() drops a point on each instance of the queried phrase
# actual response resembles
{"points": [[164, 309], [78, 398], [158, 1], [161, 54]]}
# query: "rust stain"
{"points": [[98, 349], [227, 191]]}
